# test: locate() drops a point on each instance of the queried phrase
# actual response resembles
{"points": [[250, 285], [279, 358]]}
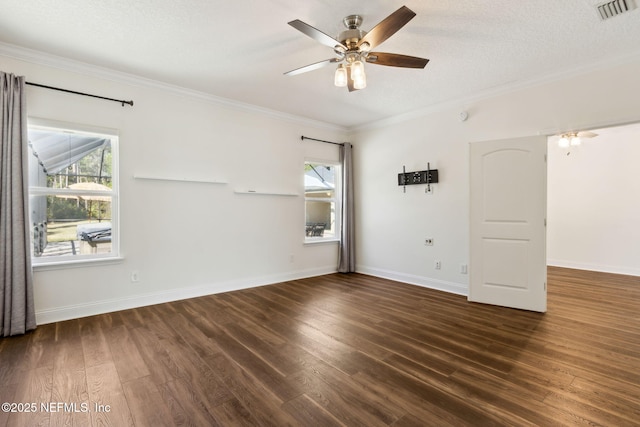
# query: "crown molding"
{"points": [[46, 59], [501, 90], [49, 60]]}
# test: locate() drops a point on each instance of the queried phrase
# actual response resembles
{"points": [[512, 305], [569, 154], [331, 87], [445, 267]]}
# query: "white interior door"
{"points": [[508, 223]]}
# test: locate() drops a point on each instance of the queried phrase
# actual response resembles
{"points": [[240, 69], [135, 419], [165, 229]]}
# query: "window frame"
{"points": [[336, 199], [80, 259]]}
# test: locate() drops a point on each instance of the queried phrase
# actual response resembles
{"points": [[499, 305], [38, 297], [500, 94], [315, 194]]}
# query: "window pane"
{"points": [[73, 225], [319, 180], [78, 223], [61, 159], [321, 219]]}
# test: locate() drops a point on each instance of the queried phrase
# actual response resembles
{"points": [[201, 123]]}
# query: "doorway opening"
{"points": [[593, 202]]}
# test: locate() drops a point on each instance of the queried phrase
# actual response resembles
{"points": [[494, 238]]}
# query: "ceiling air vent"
{"points": [[614, 8]]}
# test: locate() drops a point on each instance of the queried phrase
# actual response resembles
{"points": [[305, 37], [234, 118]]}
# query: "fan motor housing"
{"points": [[350, 38], [352, 22], [353, 34]]}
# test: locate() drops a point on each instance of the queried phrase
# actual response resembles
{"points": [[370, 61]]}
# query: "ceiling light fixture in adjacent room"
{"points": [[570, 139]]}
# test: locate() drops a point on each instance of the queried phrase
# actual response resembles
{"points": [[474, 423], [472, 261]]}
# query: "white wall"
{"points": [[392, 225], [594, 203], [185, 239]]}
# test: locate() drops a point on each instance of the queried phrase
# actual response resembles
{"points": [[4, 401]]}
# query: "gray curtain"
{"points": [[17, 313], [347, 253]]}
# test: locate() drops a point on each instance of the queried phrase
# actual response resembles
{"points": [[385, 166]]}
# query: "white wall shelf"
{"points": [[266, 193], [167, 178]]}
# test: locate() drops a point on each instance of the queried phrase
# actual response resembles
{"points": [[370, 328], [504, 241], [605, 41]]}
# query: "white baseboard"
{"points": [[426, 282], [594, 267], [76, 311]]}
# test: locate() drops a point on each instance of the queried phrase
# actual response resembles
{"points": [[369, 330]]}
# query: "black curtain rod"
{"points": [[81, 93], [321, 140]]}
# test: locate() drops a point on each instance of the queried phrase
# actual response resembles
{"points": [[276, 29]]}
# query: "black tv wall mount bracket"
{"points": [[429, 176]]}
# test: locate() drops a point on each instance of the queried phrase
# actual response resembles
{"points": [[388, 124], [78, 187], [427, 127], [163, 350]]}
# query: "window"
{"points": [[73, 194], [322, 203]]}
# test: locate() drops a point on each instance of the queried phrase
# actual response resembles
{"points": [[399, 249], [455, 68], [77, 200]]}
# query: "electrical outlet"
{"points": [[438, 265], [428, 241], [463, 268], [135, 277]]}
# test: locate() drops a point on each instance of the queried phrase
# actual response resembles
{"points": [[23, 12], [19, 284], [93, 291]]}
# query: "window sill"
{"points": [[81, 263], [321, 241]]}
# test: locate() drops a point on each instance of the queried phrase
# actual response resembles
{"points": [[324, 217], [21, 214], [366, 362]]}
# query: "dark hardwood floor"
{"points": [[349, 350]]}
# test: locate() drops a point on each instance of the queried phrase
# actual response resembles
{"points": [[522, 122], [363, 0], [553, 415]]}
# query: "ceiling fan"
{"points": [[353, 47]]}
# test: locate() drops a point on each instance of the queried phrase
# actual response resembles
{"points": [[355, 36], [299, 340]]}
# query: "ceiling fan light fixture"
{"points": [[357, 69], [359, 82], [340, 78], [563, 142], [575, 140]]}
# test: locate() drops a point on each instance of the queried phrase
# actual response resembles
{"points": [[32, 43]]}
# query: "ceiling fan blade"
{"points": [[587, 134], [396, 60], [312, 67], [316, 34], [387, 27]]}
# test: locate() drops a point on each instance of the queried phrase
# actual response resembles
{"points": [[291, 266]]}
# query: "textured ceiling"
{"points": [[240, 49]]}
